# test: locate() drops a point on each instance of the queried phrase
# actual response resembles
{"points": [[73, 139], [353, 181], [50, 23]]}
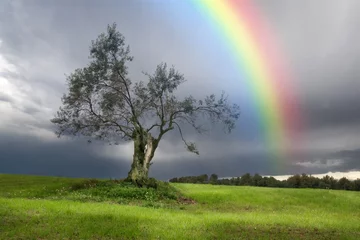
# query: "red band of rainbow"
{"points": [[259, 56]]}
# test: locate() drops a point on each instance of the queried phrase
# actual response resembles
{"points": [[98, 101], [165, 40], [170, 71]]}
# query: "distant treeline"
{"points": [[296, 181]]}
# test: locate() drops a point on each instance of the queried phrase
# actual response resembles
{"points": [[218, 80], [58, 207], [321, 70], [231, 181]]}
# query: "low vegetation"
{"points": [[156, 194], [33, 207]]}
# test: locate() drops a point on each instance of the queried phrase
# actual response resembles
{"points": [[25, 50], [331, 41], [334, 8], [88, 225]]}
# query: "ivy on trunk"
{"points": [[103, 103]]}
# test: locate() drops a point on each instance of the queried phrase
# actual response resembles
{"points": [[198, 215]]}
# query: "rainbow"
{"points": [[257, 54]]}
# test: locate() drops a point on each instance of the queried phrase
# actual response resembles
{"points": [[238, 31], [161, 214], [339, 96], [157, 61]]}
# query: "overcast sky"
{"points": [[42, 40]]}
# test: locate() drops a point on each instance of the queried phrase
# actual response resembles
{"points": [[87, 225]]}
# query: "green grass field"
{"points": [[33, 207]]}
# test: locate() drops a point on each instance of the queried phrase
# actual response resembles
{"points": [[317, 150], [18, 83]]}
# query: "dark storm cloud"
{"points": [[75, 158], [230, 166], [29, 155], [343, 110], [351, 159], [341, 161], [46, 39]]}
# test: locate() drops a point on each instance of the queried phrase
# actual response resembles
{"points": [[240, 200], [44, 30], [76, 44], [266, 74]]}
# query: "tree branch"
{"points": [[153, 126], [121, 127], [136, 120], [191, 147], [118, 91]]}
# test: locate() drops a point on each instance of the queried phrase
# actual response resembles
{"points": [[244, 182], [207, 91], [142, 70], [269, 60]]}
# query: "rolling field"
{"points": [[33, 207]]}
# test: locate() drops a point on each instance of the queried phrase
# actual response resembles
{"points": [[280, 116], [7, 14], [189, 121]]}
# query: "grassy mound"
{"points": [[158, 194], [123, 192]]}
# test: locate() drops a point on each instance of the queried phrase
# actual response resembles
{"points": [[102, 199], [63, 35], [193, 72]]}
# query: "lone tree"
{"points": [[103, 103]]}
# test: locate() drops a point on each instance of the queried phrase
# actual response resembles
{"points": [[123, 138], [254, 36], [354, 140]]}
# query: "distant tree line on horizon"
{"points": [[296, 181]]}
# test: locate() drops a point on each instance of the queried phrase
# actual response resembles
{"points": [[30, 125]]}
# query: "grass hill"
{"points": [[38, 207]]}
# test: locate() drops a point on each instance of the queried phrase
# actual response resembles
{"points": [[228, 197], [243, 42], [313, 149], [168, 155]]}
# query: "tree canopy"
{"points": [[103, 103]]}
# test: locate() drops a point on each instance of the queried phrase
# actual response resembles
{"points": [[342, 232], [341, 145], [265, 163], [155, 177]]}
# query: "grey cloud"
{"points": [[75, 158], [31, 110], [351, 158], [320, 40], [31, 107], [343, 110], [28, 155], [5, 98], [8, 74], [47, 39], [341, 161]]}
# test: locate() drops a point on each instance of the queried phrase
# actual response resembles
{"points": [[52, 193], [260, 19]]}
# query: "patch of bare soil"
{"points": [[183, 200]]}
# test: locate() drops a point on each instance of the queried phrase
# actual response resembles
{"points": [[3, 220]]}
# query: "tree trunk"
{"points": [[144, 149]]}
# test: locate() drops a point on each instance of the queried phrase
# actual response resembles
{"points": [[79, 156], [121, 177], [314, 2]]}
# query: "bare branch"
{"points": [[190, 146]]}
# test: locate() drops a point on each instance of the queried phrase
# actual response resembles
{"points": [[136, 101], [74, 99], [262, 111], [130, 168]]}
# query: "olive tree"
{"points": [[103, 103]]}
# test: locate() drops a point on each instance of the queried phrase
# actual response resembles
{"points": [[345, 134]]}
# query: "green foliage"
{"points": [[192, 179], [213, 178], [119, 190], [93, 190], [296, 181], [152, 183], [246, 180]]}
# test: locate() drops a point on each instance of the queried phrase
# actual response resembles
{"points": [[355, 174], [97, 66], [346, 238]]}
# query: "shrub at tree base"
{"points": [[123, 190]]}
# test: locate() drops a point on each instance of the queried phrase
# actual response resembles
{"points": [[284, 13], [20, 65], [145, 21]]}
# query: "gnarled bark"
{"points": [[144, 149]]}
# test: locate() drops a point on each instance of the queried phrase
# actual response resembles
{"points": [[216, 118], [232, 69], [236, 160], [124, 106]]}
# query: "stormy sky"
{"points": [[43, 40]]}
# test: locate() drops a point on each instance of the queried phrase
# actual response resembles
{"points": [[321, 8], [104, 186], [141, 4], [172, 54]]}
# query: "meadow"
{"points": [[38, 207]]}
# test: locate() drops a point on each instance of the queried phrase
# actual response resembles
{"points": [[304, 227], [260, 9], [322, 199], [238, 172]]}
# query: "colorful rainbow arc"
{"points": [[258, 55]]}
